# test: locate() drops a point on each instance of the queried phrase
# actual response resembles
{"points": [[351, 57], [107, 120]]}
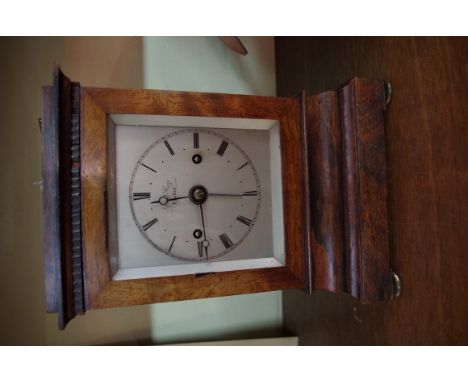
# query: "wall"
{"points": [[26, 65]]}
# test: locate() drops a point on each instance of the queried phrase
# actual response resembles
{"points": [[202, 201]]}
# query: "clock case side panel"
{"points": [[61, 198], [111, 200], [346, 176], [101, 290], [294, 193], [96, 261]]}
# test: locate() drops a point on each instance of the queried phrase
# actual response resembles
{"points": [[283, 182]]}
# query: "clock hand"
{"points": [[250, 193], [204, 231], [163, 200], [215, 194]]}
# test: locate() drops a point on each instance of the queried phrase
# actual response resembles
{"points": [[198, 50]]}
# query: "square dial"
{"points": [[209, 201], [193, 199]]}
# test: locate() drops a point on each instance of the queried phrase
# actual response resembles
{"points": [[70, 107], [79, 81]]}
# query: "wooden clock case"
{"points": [[334, 187]]}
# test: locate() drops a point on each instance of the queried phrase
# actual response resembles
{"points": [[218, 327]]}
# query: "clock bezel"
{"points": [[100, 290]]}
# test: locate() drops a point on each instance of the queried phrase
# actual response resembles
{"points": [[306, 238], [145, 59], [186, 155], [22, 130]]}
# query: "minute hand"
{"points": [[249, 193]]}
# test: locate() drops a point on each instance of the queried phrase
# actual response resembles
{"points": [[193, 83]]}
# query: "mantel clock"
{"points": [[153, 196]]}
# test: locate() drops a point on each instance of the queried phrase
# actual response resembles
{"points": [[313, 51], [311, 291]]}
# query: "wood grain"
{"points": [[346, 171], [293, 192], [428, 187], [93, 192], [177, 288], [112, 243], [101, 290], [50, 200], [326, 189], [63, 89], [61, 197], [163, 102], [57, 197], [362, 103]]}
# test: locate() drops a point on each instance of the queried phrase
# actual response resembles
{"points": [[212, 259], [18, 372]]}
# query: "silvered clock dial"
{"points": [[194, 194]]}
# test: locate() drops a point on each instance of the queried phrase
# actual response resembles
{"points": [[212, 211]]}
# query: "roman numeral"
{"points": [[226, 240], [250, 193], [200, 248], [244, 220], [171, 245], [222, 148], [169, 147], [148, 167], [196, 141], [241, 167], [150, 223], [141, 195]]}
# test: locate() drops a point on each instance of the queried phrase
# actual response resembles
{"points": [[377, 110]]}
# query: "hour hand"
{"points": [[205, 242], [163, 200]]}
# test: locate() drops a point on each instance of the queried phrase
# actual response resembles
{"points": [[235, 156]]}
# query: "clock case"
{"points": [[334, 194]]}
